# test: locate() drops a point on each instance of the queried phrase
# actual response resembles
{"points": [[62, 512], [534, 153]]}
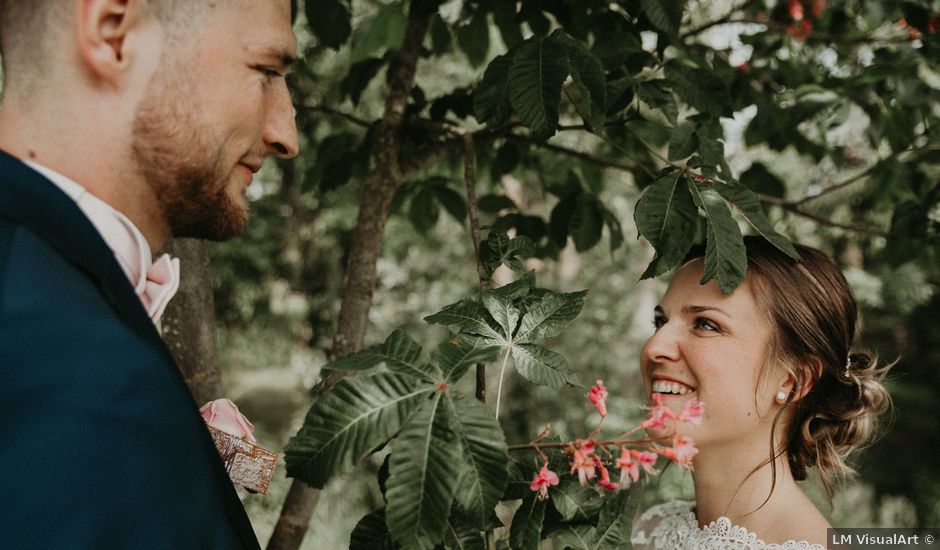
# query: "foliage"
{"points": [[570, 100]]}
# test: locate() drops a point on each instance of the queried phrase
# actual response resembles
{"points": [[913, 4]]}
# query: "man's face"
{"points": [[216, 107]]}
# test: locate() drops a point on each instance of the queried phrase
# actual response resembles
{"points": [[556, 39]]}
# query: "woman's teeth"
{"points": [[661, 386]]}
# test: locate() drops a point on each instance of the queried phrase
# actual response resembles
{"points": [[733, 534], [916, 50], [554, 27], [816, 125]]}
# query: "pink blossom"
{"points": [[646, 459], [598, 397], [629, 468], [223, 415], [682, 451], [542, 481], [582, 461], [604, 481], [692, 412], [658, 414]]}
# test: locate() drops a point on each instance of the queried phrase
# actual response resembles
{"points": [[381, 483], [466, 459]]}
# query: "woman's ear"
{"points": [[808, 372]]}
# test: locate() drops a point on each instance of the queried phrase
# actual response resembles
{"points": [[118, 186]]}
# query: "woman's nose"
{"points": [[662, 346]]}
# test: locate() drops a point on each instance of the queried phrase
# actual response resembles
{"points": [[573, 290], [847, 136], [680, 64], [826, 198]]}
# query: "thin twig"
{"points": [[856, 177], [819, 219], [334, 112], [604, 443], [720, 21], [470, 182], [578, 154]]}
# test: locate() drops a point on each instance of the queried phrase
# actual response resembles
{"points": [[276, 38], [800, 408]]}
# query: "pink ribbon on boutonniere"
{"points": [[222, 414]]}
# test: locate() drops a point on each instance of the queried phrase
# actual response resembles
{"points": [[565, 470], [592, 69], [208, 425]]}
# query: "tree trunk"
{"points": [[189, 321], [380, 186]]}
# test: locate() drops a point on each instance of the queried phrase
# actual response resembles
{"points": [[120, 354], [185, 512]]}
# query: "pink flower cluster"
{"points": [[584, 461], [659, 413]]}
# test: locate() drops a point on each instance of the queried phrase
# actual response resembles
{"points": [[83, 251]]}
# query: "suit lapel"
{"points": [[38, 204], [31, 200]]}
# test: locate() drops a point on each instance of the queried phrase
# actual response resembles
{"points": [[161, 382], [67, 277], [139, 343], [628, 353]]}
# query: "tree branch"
{"points": [[334, 112], [578, 154], [383, 180], [789, 207], [727, 18], [849, 181]]}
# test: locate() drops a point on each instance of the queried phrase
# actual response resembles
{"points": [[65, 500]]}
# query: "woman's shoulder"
{"points": [[673, 525], [665, 523]]}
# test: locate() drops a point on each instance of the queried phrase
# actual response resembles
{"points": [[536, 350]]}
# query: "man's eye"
{"points": [[269, 73]]}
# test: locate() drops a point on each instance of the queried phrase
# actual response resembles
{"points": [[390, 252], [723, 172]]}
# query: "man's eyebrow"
{"points": [[283, 56]]}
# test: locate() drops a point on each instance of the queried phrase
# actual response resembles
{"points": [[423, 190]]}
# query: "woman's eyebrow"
{"points": [[702, 309]]}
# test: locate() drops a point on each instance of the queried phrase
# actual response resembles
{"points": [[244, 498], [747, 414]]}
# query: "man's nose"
{"points": [[280, 130]]}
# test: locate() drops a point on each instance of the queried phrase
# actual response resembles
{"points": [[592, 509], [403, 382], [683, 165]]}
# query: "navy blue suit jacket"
{"points": [[101, 443]]}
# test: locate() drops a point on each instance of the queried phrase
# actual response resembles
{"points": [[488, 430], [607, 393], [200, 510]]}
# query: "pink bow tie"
{"points": [[154, 282]]}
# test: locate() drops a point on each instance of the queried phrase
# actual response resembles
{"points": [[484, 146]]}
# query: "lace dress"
{"points": [[673, 526]]}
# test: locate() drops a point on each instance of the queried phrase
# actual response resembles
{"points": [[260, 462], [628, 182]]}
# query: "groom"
{"points": [[123, 123]]}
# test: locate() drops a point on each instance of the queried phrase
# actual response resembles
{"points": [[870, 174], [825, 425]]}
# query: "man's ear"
{"points": [[101, 29], [810, 369]]}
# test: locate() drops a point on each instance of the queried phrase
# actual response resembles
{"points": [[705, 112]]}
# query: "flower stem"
{"points": [[610, 442], [502, 371]]}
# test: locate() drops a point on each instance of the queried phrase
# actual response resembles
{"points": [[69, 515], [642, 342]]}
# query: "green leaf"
{"points": [[655, 94], [666, 15], [348, 423], [421, 479], [683, 141], [424, 210], [329, 20], [725, 255], [440, 35], [539, 68], [760, 180], [484, 454], [507, 158], [384, 31], [560, 219], [491, 104], [748, 204], [460, 353], [526, 530], [587, 222], [549, 315], [579, 536], [371, 533], [665, 215], [575, 501], [614, 227], [400, 353], [499, 249], [358, 78], [452, 201], [613, 529], [543, 367], [502, 309], [504, 15], [460, 534], [701, 88], [474, 38], [495, 203], [467, 316], [588, 76], [518, 288], [333, 167]]}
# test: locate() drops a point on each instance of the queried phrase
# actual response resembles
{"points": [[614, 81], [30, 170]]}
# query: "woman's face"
{"points": [[711, 346]]}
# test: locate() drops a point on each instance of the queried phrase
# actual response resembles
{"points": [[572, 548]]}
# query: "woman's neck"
{"points": [[727, 484]]}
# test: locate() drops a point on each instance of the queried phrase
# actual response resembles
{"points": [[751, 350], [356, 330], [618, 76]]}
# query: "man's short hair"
{"points": [[28, 29]]}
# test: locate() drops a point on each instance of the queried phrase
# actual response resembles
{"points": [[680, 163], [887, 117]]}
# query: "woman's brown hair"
{"points": [[838, 392]]}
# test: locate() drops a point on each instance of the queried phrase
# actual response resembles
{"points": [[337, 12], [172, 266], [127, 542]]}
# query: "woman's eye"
{"points": [[702, 323], [658, 322]]}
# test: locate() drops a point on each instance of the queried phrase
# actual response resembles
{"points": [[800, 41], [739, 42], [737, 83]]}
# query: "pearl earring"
{"points": [[781, 396]]}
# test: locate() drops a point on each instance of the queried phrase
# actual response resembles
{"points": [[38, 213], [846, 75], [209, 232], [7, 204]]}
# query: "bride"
{"points": [[784, 392]]}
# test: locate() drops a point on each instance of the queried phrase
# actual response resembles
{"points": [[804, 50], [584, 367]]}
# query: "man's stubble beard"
{"points": [[175, 155]]}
